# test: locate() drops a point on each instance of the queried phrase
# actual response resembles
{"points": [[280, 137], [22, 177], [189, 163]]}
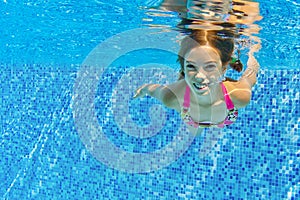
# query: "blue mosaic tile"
{"points": [[44, 158]]}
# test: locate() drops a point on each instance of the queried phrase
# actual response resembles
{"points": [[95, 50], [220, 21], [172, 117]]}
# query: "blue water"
{"points": [[44, 150]]}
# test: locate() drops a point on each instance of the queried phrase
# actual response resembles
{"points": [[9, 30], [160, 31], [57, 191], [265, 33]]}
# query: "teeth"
{"points": [[200, 86]]}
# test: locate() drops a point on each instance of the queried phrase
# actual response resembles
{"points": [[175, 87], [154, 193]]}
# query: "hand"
{"points": [[141, 91], [255, 48]]}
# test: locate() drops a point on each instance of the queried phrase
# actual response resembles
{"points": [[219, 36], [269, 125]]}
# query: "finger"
{"points": [[136, 95]]}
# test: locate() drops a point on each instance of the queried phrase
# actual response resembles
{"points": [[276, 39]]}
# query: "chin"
{"points": [[205, 93], [202, 93]]}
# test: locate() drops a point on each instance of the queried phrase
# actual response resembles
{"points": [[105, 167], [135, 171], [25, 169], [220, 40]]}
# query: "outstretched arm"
{"points": [[161, 92], [249, 75], [154, 90], [241, 90]]}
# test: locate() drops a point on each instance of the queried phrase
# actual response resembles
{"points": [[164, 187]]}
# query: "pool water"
{"points": [[59, 119]]}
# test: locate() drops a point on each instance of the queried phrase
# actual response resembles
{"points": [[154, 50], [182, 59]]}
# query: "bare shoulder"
{"points": [[239, 92], [173, 94]]}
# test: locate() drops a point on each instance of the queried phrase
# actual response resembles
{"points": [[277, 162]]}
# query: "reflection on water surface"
{"points": [[237, 15]]}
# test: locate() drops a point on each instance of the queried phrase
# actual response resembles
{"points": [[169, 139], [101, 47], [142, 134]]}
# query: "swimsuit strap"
{"points": [[186, 100], [227, 99]]}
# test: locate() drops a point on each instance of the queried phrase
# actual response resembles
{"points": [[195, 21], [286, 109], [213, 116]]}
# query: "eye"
{"points": [[210, 67], [190, 67]]}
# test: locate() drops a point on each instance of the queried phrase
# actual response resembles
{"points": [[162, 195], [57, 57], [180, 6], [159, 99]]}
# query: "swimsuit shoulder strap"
{"points": [[227, 99], [186, 100]]}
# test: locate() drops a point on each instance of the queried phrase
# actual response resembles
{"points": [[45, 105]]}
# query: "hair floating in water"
{"points": [[236, 63]]}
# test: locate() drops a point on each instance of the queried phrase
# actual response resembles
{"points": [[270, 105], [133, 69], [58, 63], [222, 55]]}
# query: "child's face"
{"points": [[203, 69]]}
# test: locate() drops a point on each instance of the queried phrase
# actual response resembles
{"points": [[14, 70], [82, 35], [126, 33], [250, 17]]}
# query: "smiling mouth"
{"points": [[200, 86]]}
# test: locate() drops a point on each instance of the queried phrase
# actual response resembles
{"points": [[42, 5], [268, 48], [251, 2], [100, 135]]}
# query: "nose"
{"points": [[200, 76]]}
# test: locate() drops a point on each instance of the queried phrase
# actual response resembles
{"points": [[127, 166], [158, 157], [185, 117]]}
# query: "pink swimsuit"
{"points": [[230, 118]]}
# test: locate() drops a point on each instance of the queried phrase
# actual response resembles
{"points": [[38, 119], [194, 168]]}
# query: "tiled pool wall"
{"points": [[42, 156]]}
